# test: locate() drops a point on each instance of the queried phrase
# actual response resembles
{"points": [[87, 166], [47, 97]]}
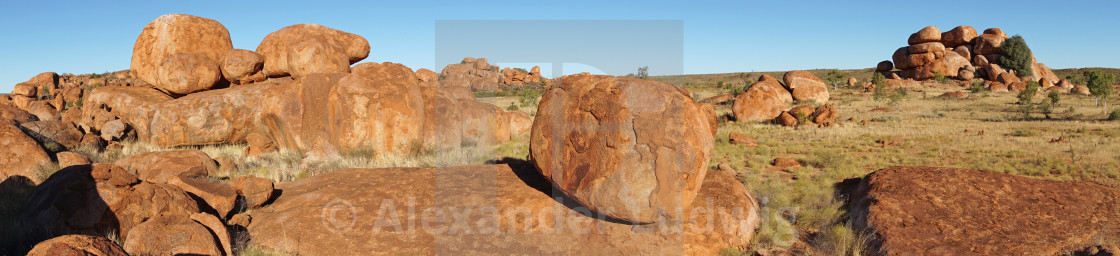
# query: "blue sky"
{"points": [[718, 36]]}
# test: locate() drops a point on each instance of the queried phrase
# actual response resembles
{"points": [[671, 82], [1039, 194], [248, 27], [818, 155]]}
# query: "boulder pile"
{"points": [[479, 75], [964, 55], [298, 90], [768, 99]]}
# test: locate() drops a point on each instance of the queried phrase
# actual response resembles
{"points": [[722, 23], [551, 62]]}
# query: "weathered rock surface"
{"points": [[67, 159], [628, 148], [217, 196], [77, 245], [241, 66], [98, 199], [942, 211], [736, 138], [171, 235], [806, 87], [510, 212], [926, 35], [960, 35], [305, 49], [19, 153], [763, 101], [257, 191], [174, 34], [15, 114], [184, 73], [987, 44], [161, 166]]}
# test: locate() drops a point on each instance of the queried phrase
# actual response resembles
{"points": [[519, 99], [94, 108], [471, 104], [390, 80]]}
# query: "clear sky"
{"points": [[718, 36]]}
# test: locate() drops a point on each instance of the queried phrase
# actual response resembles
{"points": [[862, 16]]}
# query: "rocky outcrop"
{"points": [[625, 147], [173, 47], [479, 75], [484, 210], [928, 210]]}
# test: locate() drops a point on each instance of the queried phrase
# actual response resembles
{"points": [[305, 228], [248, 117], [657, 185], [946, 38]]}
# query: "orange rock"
{"points": [[884, 66], [259, 144], [996, 32], [785, 163], [67, 159], [171, 235], [926, 47], [987, 44], [926, 35], [806, 87], [184, 73], [825, 115], [21, 154], [161, 166], [217, 196], [978, 212], [77, 245], [742, 139], [600, 135], [958, 36], [763, 101], [524, 219], [305, 49], [785, 119], [174, 34], [241, 66], [257, 191]]}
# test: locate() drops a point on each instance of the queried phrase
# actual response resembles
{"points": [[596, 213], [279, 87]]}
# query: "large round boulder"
{"points": [[20, 154], [379, 106], [632, 149], [987, 44], [960, 35], [926, 35], [806, 87], [763, 101], [173, 34], [304, 49], [186, 73]]}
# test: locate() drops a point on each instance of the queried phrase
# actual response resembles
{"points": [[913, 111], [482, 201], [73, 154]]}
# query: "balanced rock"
{"points": [[632, 149], [884, 66], [929, 210], [806, 87], [958, 36], [173, 34], [926, 35], [77, 245], [995, 31], [304, 49]]}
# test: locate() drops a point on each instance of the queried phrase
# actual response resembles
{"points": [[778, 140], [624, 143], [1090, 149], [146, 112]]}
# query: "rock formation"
{"points": [[479, 75], [625, 147]]}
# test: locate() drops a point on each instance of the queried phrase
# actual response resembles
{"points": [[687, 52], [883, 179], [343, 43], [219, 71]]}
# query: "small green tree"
{"points": [[1027, 95], [878, 79], [1054, 98], [834, 77], [976, 87], [643, 72], [1015, 55], [1100, 86]]}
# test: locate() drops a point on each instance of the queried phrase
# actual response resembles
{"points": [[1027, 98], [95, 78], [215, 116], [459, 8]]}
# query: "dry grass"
{"points": [[803, 202]]}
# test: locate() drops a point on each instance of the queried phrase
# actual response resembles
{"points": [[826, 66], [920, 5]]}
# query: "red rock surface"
{"points": [[483, 210], [77, 245], [763, 101], [305, 49], [174, 34], [943, 211]]}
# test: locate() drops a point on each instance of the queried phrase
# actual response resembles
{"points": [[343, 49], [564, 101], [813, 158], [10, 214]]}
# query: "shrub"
{"points": [[976, 87], [512, 107], [521, 70], [1028, 93], [1054, 98], [1015, 55], [1046, 107], [529, 96], [1115, 115], [940, 78], [878, 79], [834, 78]]}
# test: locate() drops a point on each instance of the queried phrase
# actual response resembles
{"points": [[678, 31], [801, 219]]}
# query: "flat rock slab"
{"points": [[943, 211], [489, 209]]}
